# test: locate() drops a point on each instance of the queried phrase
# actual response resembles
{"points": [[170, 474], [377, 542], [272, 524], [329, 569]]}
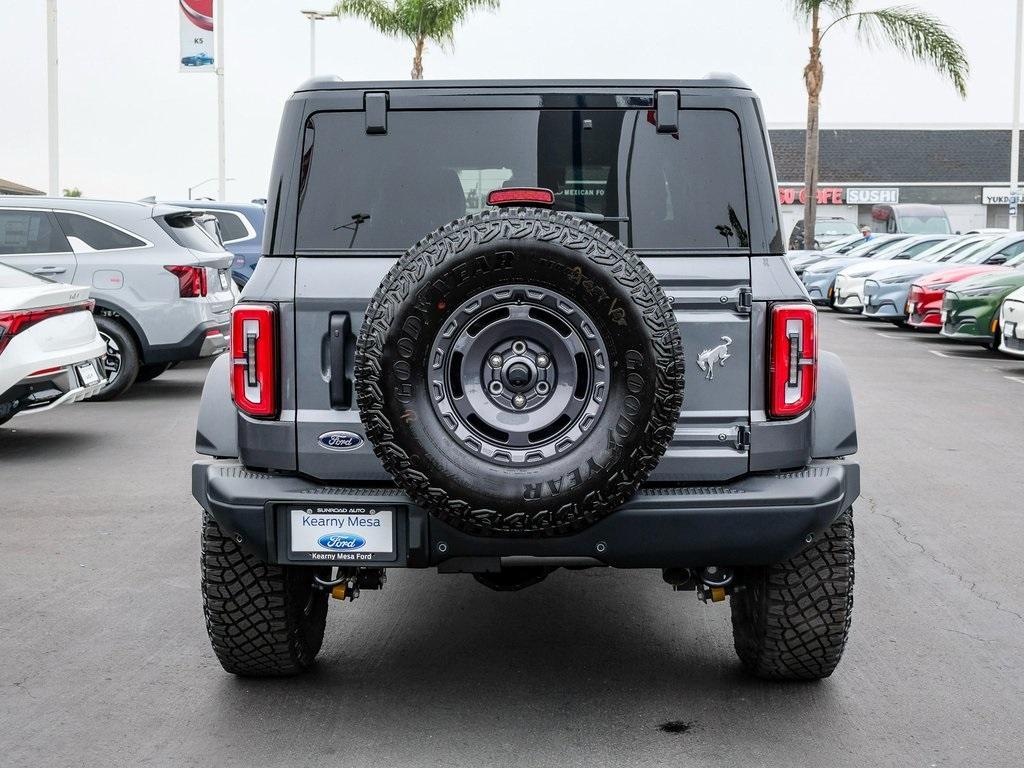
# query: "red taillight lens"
{"points": [[13, 323], [521, 196], [793, 360], [191, 280], [254, 359]]}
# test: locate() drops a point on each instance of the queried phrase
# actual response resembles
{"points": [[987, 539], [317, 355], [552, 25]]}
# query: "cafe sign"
{"points": [[798, 195]]}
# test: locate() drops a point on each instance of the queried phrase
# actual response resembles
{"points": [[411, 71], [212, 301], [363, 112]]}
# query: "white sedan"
{"points": [[1011, 320], [50, 350]]}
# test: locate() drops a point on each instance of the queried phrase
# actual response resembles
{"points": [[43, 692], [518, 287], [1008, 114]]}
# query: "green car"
{"points": [[970, 308]]}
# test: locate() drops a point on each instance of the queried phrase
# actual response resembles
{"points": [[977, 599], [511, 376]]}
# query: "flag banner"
{"points": [[196, 26]]}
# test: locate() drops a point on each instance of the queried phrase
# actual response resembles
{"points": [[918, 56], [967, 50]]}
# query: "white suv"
{"points": [[161, 284]]}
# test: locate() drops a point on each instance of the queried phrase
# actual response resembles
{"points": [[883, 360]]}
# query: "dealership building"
{"points": [[965, 170]]}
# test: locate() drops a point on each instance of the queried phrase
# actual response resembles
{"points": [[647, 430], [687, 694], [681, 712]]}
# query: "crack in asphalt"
{"points": [[972, 586]]}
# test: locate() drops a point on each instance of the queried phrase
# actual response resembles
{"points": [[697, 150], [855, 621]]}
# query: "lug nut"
{"points": [[542, 361], [496, 361], [518, 401]]}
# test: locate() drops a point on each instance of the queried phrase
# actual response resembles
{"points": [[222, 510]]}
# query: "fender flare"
{"points": [[124, 314], [217, 424], [835, 426]]}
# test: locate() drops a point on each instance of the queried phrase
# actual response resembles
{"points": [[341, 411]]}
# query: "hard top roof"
{"points": [[712, 80]]}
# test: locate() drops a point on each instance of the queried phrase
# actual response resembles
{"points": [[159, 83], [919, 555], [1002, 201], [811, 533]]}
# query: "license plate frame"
{"points": [[361, 532], [87, 374]]}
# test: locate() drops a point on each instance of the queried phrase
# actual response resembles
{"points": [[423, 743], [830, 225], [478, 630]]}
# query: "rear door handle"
{"points": [[50, 271], [341, 387]]}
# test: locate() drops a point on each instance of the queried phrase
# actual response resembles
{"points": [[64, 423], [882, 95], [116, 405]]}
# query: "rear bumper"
{"points": [[208, 339], [757, 520], [44, 393]]}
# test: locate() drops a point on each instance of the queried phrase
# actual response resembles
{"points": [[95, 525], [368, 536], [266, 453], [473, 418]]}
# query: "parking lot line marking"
{"points": [[886, 335], [1018, 379], [940, 353], [849, 322]]}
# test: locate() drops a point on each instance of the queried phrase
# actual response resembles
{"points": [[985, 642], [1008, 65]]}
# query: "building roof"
{"points": [[14, 188], [894, 156]]}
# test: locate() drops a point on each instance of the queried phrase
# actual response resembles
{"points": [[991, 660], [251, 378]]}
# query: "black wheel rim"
{"points": [[112, 360], [518, 374]]}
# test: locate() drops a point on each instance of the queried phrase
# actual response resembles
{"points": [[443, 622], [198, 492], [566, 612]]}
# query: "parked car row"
{"points": [[966, 287], [96, 295]]}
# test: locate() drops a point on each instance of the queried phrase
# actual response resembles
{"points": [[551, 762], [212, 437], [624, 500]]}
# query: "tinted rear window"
{"points": [[678, 191], [231, 225], [24, 232], [96, 234], [184, 230]]}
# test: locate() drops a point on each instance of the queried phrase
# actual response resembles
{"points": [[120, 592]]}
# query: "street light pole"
{"points": [[312, 46], [314, 17], [53, 146], [218, 22], [1015, 137]]}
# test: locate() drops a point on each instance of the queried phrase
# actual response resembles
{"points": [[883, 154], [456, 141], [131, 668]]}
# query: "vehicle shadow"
{"points": [[568, 658], [161, 389], [20, 443]]}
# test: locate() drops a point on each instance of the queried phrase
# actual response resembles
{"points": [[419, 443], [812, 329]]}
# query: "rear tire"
{"points": [[792, 619], [264, 620], [122, 372], [151, 371]]}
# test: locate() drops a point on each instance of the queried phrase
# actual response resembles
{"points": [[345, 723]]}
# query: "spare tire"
{"points": [[519, 372]]}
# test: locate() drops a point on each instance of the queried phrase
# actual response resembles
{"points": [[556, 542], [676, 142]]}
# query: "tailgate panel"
{"points": [[707, 295]]}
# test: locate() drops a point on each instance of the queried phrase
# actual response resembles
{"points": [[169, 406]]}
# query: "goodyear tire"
{"points": [[791, 620], [519, 373], [263, 620]]}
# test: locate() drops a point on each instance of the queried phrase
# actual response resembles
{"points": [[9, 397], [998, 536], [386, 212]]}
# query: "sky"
{"points": [[132, 125]]}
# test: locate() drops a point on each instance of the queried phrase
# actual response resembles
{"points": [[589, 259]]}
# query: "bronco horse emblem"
{"points": [[706, 360]]}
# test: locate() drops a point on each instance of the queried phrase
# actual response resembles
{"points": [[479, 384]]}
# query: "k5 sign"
{"points": [[195, 24]]}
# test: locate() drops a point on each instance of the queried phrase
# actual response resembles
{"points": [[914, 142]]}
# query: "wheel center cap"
{"points": [[519, 376]]}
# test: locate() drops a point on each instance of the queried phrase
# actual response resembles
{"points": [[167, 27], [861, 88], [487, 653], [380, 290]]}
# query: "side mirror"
{"points": [[999, 258]]}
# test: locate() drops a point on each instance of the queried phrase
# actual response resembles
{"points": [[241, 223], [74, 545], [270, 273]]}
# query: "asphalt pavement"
{"points": [[104, 659]]}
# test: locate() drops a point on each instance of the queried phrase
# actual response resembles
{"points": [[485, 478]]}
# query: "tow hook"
{"points": [[346, 583], [714, 583]]}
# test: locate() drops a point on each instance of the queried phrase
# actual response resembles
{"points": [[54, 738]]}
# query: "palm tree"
{"points": [[417, 20], [913, 32]]}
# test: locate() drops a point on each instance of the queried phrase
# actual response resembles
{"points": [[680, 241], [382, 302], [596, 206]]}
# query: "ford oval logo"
{"points": [[341, 541], [340, 441]]}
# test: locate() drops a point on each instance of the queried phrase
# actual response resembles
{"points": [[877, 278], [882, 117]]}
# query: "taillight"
{"points": [[793, 360], [13, 323], [254, 359], [191, 280], [521, 196]]}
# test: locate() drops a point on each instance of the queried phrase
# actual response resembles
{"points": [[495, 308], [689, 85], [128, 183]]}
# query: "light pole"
{"points": [[1015, 137], [204, 181], [314, 17], [53, 146], [218, 31]]}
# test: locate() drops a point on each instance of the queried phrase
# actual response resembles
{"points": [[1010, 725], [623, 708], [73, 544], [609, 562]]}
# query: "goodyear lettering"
{"points": [[615, 437]]}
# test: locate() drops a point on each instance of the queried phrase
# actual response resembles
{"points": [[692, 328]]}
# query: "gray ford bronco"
{"points": [[465, 348]]}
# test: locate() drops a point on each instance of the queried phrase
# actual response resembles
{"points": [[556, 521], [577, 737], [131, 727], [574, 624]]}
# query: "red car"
{"points": [[924, 303]]}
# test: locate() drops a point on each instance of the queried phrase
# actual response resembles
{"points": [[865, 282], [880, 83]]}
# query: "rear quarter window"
{"points": [[95, 234]]}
